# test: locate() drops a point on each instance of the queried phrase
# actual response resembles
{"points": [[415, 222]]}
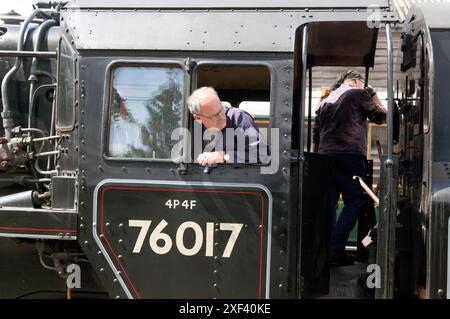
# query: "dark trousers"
{"points": [[346, 166]]}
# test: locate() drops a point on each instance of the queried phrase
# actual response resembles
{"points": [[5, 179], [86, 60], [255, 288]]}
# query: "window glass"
{"points": [[66, 77], [146, 105]]}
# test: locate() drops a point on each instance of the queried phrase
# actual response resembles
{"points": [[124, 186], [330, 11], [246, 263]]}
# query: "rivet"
{"points": [[115, 280], [99, 252], [101, 236], [120, 241], [107, 224], [81, 226], [121, 225], [117, 297], [280, 286], [120, 256], [86, 242], [102, 269], [281, 269]]}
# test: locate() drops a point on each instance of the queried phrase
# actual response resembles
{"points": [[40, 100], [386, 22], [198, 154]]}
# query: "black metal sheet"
{"points": [[186, 263], [38, 224]]}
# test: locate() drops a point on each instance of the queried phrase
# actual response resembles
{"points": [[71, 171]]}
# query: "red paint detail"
{"points": [[39, 229], [192, 191], [112, 250], [261, 243]]}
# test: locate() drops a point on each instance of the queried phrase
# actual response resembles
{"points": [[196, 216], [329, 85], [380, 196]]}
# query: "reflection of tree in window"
{"points": [[163, 117], [145, 112]]}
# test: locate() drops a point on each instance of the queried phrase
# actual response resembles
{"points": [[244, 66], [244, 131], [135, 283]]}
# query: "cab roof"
{"points": [[224, 4], [435, 16]]}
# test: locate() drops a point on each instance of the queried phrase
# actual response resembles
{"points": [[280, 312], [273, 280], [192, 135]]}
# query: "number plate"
{"points": [[185, 240]]}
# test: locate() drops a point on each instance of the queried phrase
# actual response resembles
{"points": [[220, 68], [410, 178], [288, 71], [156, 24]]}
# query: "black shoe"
{"points": [[341, 258]]}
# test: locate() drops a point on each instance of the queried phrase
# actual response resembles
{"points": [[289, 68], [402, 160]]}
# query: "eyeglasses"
{"points": [[216, 115]]}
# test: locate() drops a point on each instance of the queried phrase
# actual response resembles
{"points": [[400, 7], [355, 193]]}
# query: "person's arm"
{"points": [[375, 110], [316, 133]]}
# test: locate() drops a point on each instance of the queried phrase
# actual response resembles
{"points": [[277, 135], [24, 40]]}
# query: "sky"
{"points": [[21, 6]]}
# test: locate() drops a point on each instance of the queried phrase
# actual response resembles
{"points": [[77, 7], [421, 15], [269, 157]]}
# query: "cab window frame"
{"points": [[108, 98], [71, 126], [240, 63]]}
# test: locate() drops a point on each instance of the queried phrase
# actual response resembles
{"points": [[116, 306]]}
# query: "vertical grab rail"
{"points": [[308, 147], [301, 157], [386, 239], [390, 97], [303, 102]]}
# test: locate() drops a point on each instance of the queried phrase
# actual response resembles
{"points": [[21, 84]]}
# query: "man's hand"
{"points": [[210, 158]]}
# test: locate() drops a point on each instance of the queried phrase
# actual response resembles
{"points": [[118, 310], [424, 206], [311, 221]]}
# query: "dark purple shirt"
{"points": [[247, 144], [341, 121]]}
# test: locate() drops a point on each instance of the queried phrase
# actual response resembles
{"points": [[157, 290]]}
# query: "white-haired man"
{"points": [[207, 109]]}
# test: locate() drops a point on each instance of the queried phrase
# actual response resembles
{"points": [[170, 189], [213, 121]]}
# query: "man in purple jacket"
{"points": [[234, 134], [340, 129]]}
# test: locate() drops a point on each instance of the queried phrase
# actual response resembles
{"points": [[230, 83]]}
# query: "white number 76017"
{"points": [[161, 243]]}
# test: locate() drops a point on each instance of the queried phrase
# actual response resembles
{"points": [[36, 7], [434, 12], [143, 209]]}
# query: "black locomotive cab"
{"points": [[102, 194]]}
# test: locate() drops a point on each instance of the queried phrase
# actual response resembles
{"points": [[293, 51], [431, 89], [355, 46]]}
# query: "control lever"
{"points": [[208, 169]]}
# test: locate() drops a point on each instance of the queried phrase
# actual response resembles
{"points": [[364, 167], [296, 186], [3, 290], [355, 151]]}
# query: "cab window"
{"points": [[65, 116], [145, 107], [243, 86]]}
